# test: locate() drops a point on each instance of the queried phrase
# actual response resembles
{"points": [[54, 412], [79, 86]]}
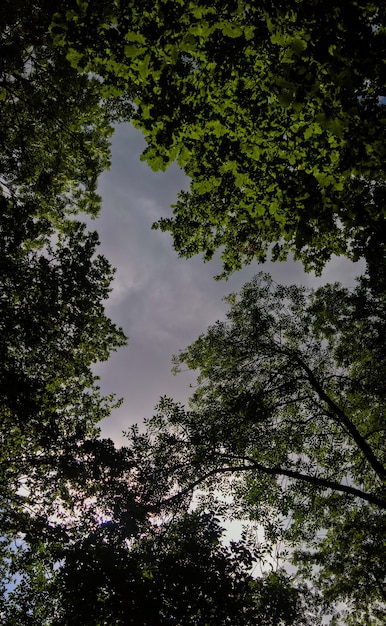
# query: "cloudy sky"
{"points": [[162, 302]]}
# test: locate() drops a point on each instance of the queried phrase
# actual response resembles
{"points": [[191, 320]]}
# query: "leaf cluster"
{"points": [[278, 119], [275, 115], [288, 417]]}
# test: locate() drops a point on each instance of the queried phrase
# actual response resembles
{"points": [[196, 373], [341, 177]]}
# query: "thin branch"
{"points": [[340, 415], [279, 471]]}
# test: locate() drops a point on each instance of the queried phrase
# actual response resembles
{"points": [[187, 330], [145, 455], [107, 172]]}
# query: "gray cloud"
{"points": [[162, 302]]}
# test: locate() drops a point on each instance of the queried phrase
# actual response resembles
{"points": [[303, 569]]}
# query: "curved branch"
{"points": [[280, 471], [337, 413]]}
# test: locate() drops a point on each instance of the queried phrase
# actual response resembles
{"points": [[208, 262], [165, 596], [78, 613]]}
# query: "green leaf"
{"points": [[230, 30], [135, 37], [298, 45], [133, 51], [143, 67]]}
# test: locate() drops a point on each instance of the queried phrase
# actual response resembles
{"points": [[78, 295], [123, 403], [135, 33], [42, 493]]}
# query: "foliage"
{"points": [[276, 115], [291, 402], [172, 572], [280, 601], [54, 133], [178, 574], [87, 488], [112, 562], [349, 573], [54, 136], [278, 118], [53, 329]]}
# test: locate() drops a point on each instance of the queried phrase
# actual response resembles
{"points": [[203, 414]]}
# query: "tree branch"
{"points": [[362, 444], [279, 471]]}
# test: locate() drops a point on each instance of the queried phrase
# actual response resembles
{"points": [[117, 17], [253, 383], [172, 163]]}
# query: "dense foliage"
{"points": [[54, 142], [291, 404], [110, 561], [277, 115]]}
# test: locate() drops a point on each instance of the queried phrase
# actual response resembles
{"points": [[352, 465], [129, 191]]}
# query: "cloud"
{"points": [[161, 301]]}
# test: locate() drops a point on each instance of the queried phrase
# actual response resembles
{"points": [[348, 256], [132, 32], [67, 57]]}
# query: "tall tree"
{"points": [[81, 494], [55, 124], [53, 329], [280, 124], [54, 142], [291, 403], [177, 574], [104, 558], [275, 114]]}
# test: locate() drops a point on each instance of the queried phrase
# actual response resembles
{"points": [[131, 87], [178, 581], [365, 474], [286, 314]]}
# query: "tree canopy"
{"points": [[111, 562], [290, 403], [53, 329], [54, 141], [54, 144], [277, 116]]}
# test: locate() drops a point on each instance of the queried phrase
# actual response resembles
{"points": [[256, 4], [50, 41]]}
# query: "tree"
{"points": [[88, 495], [276, 115], [291, 403], [53, 329], [55, 125], [280, 124], [104, 558], [54, 130], [176, 574]]}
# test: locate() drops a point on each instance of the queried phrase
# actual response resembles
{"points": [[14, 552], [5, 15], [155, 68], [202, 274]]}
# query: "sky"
{"points": [[162, 302]]}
